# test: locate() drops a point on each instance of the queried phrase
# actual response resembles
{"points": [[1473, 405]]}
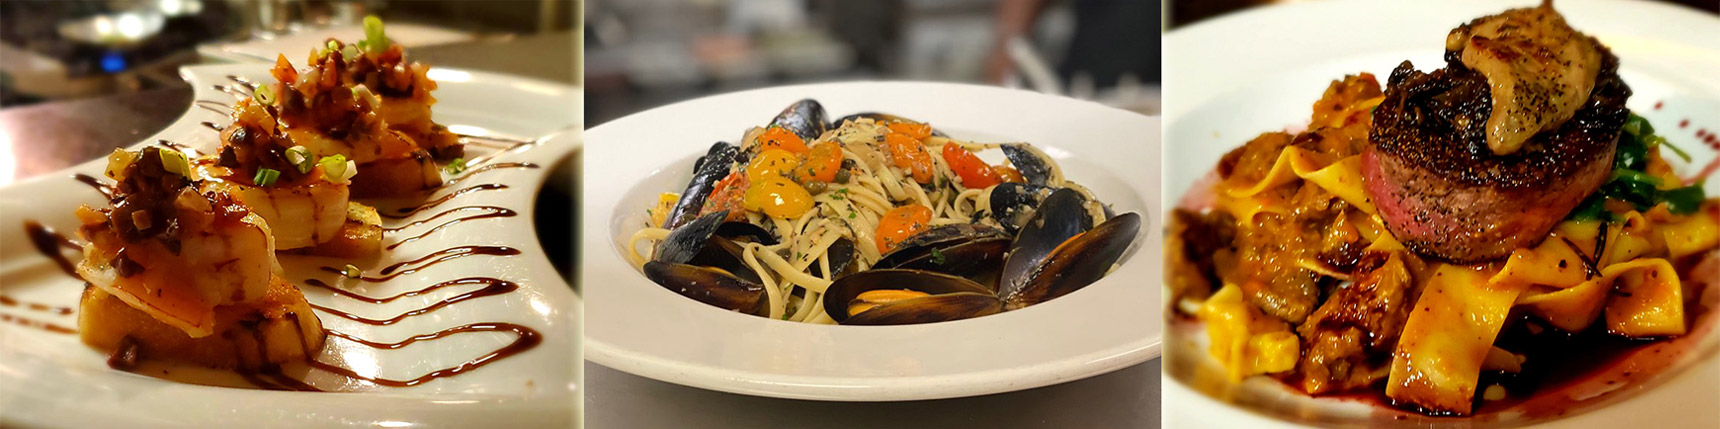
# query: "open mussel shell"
{"points": [[707, 171], [709, 285], [744, 231], [963, 250], [841, 254], [950, 298], [1077, 263], [686, 241], [1063, 215], [724, 254], [1013, 203], [806, 118], [1035, 166]]}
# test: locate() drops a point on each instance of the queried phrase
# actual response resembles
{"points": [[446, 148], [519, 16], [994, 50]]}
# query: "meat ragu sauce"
{"points": [[1312, 263]]}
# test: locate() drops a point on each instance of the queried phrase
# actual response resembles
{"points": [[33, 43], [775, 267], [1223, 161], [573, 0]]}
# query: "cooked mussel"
{"points": [[743, 231], [1036, 167], [899, 297], [707, 171], [1062, 216], [1011, 204], [697, 263], [710, 285], [964, 250], [806, 118], [1076, 263]]}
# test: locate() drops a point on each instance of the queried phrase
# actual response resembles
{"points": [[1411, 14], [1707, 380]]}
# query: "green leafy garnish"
{"points": [[266, 177], [1630, 182], [456, 166], [1684, 200]]}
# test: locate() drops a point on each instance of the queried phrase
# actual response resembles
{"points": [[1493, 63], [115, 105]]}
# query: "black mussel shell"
{"points": [[744, 231], [709, 285], [708, 170], [1061, 216], [965, 250], [845, 289], [842, 259], [1035, 166], [929, 309], [685, 241], [1078, 263], [1013, 203], [724, 254], [806, 118]]}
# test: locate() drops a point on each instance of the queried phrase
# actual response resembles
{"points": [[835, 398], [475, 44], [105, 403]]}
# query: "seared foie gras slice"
{"points": [[1444, 193], [1540, 70]]}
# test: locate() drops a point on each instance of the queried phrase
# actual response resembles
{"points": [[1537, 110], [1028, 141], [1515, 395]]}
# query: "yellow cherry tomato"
{"points": [[900, 223], [772, 162], [777, 197]]}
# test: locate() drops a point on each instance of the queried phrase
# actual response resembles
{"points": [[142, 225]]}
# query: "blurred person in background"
{"points": [[1113, 41]]}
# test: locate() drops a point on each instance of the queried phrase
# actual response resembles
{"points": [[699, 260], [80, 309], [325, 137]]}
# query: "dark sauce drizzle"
{"points": [[214, 106], [52, 244], [211, 125], [493, 212], [409, 211]]}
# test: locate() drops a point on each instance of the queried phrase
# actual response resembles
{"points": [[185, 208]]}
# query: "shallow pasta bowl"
{"points": [[50, 378], [636, 326], [1261, 70]]}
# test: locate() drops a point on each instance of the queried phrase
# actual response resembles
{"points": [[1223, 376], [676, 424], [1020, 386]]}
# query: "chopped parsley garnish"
{"points": [[266, 177]]}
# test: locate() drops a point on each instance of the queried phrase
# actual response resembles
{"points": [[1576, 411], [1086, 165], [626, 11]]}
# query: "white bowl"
{"points": [[1237, 76], [639, 327]]}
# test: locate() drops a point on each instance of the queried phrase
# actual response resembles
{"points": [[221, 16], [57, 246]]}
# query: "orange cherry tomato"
{"points": [[1008, 174], [778, 197], [821, 163], [727, 195], [900, 223], [975, 173], [916, 130], [908, 153], [782, 138]]}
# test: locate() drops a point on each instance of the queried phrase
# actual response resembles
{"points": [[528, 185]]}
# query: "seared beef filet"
{"points": [[1444, 193]]}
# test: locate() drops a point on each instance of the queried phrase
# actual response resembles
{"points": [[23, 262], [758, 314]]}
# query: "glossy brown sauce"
{"points": [[10, 302], [526, 339], [32, 323], [409, 211], [396, 270], [487, 167], [494, 287], [214, 106], [491, 212], [211, 125], [93, 182]]}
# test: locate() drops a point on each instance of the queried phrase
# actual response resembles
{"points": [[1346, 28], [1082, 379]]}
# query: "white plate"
{"points": [[1240, 75], [639, 327], [53, 380]]}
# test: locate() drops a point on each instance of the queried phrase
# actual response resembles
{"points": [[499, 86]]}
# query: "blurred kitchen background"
{"points": [[57, 50], [641, 54], [81, 77], [1185, 12]]}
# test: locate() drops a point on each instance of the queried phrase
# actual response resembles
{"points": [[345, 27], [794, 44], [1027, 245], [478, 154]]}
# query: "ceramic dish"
{"points": [[645, 329], [1258, 71], [52, 379]]}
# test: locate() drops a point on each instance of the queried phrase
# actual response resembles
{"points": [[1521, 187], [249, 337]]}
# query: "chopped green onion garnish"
{"points": [[351, 272], [333, 45], [374, 38], [265, 95], [1635, 176], [174, 162], [266, 177], [1681, 154], [456, 166], [300, 158], [335, 168], [349, 51]]}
